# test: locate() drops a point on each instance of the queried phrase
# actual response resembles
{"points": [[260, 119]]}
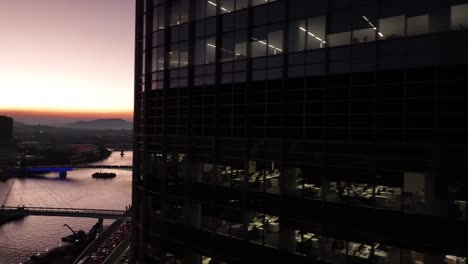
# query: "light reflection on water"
{"points": [[21, 239]]}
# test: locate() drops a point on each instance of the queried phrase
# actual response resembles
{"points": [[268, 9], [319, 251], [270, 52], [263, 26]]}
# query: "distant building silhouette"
{"points": [[7, 148], [301, 131], [6, 129]]}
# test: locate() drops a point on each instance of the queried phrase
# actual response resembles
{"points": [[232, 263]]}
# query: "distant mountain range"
{"points": [[100, 124]]}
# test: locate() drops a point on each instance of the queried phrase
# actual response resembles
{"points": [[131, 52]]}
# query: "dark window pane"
{"points": [[200, 9], [228, 22], [200, 45], [340, 29], [304, 8], [210, 26], [241, 4], [259, 42], [260, 15], [241, 19], [227, 47], [297, 35], [158, 17]]}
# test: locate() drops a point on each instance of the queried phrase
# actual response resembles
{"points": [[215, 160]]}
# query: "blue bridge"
{"points": [[63, 169]]}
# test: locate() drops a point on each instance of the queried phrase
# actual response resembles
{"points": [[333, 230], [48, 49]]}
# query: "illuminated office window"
{"points": [[418, 25], [392, 27], [458, 17], [316, 32], [275, 40], [427, 16], [392, 21], [234, 46], [260, 2], [365, 26], [179, 12], [205, 51], [227, 6], [297, 35], [267, 40], [307, 34]]}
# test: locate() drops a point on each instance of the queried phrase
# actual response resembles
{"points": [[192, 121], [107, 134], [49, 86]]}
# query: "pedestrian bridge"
{"points": [[65, 212]]}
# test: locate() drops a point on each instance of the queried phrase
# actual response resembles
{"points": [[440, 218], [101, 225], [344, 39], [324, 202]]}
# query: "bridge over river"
{"points": [[64, 212]]}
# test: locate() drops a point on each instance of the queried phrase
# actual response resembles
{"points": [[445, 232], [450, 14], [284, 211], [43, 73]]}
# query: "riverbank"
{"points": [[4, 176], [66, 253]]}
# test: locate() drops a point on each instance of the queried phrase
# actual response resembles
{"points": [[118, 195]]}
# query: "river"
{"points": [[34, 234]]}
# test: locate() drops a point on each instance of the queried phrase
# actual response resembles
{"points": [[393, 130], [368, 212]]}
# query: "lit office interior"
{"points": [[230, 217]]}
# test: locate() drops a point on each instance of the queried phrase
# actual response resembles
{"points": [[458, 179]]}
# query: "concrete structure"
{"points": [[8, 155], [300, 131], [6, 129]]}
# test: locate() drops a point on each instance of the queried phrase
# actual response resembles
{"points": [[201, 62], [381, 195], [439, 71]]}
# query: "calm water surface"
{"points": [[33, 234]]}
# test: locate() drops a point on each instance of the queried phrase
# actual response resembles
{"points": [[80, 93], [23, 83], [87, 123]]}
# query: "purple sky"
{"points": [[66, 56]]}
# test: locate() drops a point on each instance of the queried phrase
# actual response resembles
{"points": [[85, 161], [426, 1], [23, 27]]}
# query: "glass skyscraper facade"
{"points": [[301, 131]]}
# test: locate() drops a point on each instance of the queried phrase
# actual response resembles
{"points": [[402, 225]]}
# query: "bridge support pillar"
{"points": [[101, 225], [63, 175]]}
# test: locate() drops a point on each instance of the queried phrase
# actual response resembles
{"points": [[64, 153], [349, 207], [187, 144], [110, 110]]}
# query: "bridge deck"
{"points": [[65, 212]]}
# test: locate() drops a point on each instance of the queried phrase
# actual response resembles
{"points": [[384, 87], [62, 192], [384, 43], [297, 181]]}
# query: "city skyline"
{"points": [[63, 58]]}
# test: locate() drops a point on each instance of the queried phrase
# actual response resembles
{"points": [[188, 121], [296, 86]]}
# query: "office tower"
{"points": [[6, 129], [300, 131]]}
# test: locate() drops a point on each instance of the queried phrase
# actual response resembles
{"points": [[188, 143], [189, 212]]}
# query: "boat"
{"points": [[104, 175]]}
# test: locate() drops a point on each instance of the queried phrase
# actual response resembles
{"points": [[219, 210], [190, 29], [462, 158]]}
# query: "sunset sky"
{"points": [[64, 60]]}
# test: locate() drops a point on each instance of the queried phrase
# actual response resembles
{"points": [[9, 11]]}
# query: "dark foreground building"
{"points": [[6, 129], [301, 131]]}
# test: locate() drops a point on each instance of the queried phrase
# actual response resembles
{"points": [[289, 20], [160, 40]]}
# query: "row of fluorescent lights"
{"points": [[214, 46], [372, 26], [301, 28], [269, 45], [260, 41], [222, 8], [312, 34]]}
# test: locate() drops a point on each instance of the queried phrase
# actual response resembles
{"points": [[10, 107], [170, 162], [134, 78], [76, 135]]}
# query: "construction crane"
{"points": [[73, 231]]}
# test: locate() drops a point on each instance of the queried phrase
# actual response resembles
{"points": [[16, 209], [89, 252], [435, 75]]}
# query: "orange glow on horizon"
{"points": [[77, 61], [67, 113]]}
